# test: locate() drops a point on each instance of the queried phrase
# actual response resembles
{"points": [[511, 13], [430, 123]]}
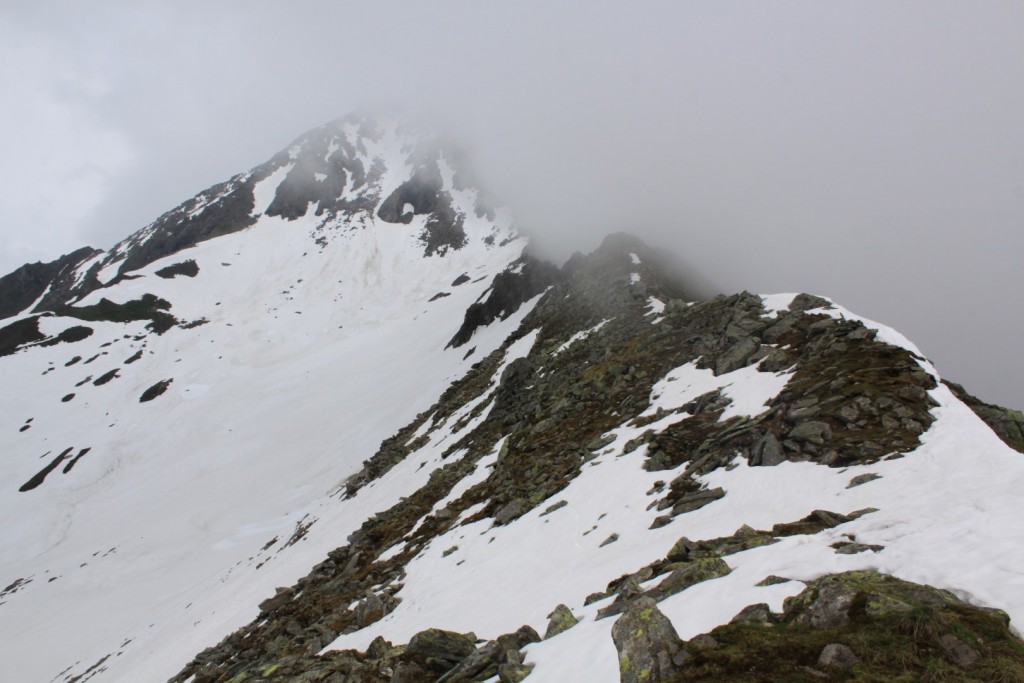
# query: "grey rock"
{"points": [[831, 606], [848, 413], [437, 646], [803, 413], [863, 479], [553, 507], [852, 548], [768, 451], [283, 597], [513, 510], [409, 672], [755, 614], [704, 641], [736, 357], [369, 609], [958, 652], [513, 673], [559, 621], [696, 500], [811, 432], [689, 574], [837, 655], [681, 551], [649, 648]]}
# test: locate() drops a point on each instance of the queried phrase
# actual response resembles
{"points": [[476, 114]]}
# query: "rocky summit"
{"points": [[332, 421]]}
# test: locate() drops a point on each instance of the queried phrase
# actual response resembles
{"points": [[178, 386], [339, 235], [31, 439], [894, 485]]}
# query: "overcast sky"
{"points": [[868, 151]]}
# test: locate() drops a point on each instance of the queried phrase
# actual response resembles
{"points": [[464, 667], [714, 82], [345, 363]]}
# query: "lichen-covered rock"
{"points": [[560, 620], [649, 648], [437, 650], [513, 673], [689, 574]]}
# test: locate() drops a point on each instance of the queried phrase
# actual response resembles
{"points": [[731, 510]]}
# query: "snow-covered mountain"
{"points": [[327, 421]]}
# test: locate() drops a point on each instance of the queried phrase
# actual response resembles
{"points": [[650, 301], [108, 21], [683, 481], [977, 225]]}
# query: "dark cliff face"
{"points": [[22, 287]]}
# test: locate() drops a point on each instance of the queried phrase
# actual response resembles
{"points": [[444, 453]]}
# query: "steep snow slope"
{"points": [[616, 420], [945, 515], [152, 537]]}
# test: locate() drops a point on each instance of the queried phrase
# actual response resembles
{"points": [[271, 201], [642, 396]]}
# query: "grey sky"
{"points": [[867, 151]]}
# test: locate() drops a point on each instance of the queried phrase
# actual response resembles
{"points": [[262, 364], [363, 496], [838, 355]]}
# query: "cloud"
{"points": [[867, 151]]}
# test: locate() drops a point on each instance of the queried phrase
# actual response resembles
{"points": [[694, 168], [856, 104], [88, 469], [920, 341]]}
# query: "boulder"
{"points": [[649, 648], [837, 655], [814, 432], [283, 597], [438, 650], [560, 620]]}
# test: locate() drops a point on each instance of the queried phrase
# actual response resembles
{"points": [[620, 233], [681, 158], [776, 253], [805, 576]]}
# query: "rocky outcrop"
{"points": [[596, 358], [1008, 424], [649, 648], [19, 289], [860, 626], [510, 289]]}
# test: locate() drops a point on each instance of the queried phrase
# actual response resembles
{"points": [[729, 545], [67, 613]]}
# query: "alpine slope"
{"points": [[328, 421]]}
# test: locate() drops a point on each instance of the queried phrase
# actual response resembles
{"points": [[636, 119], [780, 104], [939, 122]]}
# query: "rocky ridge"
{"points": [[850, 399], [609, 364]]}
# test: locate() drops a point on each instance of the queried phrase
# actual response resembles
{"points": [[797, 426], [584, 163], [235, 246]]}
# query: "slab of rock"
{"points": [[688, 574], [283, 597]]}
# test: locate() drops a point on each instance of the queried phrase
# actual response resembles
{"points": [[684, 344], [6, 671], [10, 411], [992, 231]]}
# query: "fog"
{"points": [[867, 151]]}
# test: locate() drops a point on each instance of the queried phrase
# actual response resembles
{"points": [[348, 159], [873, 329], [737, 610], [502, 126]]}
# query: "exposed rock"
{"points": [[435, 649], [155, 390], [509, 290], [560, 620], [1008, 424], [958, 651], [768, 451], [25, 285], [649, 648], [689, 574], [696, 500], [369, 609], [187, 268], [755, 614], [736, 357], [863, 479], [283, 597], [811, 432], [513, 510], [704, 641], [772, 580], [852, 547], [513, 673], [837, 655]]}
